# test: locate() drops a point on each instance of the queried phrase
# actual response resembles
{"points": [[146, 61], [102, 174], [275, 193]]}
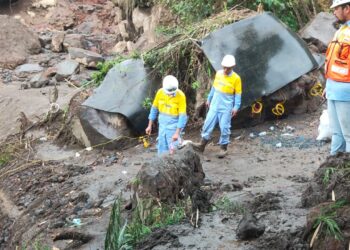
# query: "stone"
{"points": [[92, 127], [17, 42], [28, 68], [85, 57], [249, 227], [73, 40], [320, 28], [39, 81], [57, 41], [120, 48], [65, 69]]}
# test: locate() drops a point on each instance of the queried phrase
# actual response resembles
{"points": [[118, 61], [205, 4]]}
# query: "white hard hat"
{"points": [[170, 84], [228, 61], [339, 2]]}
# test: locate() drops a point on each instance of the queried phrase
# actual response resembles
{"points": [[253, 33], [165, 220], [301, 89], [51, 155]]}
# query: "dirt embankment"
{"points": [[328, 223]]}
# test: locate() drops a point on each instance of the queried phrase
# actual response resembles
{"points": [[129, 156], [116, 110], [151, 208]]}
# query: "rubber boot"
{"points": [[223, 151], [200, 146]]}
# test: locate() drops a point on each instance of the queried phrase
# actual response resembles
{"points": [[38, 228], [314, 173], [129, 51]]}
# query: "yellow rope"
{"points": [[278, 110], [257, 107], [316, 90]]}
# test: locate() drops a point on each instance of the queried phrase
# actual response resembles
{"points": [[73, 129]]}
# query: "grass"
{"points": [[228, 206], [146, 217], [327, 218], [37, 245], [327, 175]]}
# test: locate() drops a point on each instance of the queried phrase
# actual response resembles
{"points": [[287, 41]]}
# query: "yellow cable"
{"points": [[316, 90], [278, 110], [257, 107]]}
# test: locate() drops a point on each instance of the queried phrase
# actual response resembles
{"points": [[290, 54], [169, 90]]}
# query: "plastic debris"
{"points": [[76, 222], [77, 154], [263, 133], [279, 145], [88, 148]]}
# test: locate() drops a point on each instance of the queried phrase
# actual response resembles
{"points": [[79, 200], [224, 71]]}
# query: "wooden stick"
{"points": [[314, 236]]}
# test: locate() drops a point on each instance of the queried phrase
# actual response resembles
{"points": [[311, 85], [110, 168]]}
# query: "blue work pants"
{"points": [[165, 141], [339, 121], [224, 120]]}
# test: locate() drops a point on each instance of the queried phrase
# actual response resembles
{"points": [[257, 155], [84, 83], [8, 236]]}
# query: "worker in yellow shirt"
{"points": [[170, 104], [224, 101]]}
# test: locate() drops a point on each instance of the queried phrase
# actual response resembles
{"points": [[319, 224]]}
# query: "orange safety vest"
{"points": [[337, 63]]}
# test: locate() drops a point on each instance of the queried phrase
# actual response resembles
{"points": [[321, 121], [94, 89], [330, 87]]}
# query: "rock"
{"points": [[16, 42], [91, 127], [85, 57], [73, 40], [320, 28], [249, 227], [125, 30], [44, 4], [39, 81], [45, 39], [170, 178], [57, 42], [65, 69], [120, 48], [141, 19], [28, 69]]}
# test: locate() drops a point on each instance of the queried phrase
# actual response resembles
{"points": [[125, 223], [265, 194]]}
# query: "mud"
{"points": [[333, 175]]}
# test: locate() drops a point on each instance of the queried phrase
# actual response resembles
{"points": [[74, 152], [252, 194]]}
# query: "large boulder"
{"points": [[320, 28], [16, 42], [170, 178], [93, 127]]}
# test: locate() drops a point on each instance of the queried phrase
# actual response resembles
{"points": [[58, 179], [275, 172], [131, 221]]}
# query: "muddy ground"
{"points": [[48, 192], [42, 200]]}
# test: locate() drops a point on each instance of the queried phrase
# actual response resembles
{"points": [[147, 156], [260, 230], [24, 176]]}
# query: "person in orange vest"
{"points": [[224, 101], [337, 91], [169, 106]]}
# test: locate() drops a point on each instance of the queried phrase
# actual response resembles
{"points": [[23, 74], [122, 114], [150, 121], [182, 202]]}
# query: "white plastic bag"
{"points": [[324, 131]]}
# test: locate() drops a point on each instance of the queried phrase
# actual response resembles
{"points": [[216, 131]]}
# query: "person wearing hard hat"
{"points": [[170, 104], [224, 101], [337, 69]]}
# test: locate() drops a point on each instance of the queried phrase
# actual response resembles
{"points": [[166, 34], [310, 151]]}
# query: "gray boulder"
{"points": [[39, 81], [320, 28], [65, 69], [85, 57]]}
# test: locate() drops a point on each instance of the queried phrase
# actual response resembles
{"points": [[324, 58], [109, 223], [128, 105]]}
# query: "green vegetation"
{"points": [[102, 70], [327, 175], [146, 217], [37, 245], [228, 206], [6, 153], [190, 11], [327, 218], [147, 103], [294, 13], [195, 85]]}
